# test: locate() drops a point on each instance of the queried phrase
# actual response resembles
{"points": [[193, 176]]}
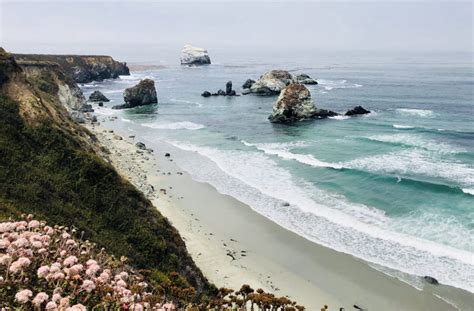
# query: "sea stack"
{"points": [[295, 104], [272, 82], [97, 96], [144, 93], [191, 55], [305, 79]]}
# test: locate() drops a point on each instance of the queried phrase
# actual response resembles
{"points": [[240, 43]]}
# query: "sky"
{"points": [[150, 28]]}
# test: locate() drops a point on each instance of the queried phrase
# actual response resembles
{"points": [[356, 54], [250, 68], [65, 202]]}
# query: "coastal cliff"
{"points": [[52, 167], [82, 68]]}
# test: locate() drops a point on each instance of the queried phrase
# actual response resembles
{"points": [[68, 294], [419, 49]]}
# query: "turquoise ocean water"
{"points": [[395, 187]]}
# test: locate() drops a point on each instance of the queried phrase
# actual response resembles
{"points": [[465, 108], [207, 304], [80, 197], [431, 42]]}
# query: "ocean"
{"points": [[394, 187]]}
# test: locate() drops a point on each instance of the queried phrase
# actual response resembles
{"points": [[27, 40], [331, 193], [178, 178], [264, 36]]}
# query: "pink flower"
{"points": [[65, 235], [21, 242], [91, 262], [88, 286], [23, 296], [58, 276], [104, 277], [137, 307], [56, 297], [51, 306], [40, 299], [92, 270], [75, 270], [121, 283], [33, 224], [37, 244], [7, 227], [19, 264], [77, 307], [169, 306], [69, 261], [4, 243], [43, 271], [5, 260], [71, 242], [63, 253]]}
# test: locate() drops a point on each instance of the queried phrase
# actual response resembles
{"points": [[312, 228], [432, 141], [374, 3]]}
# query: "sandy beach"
{"points": [[233, 245]]}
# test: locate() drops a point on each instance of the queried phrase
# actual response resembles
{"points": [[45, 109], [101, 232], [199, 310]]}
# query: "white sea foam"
{"points": [[424, 113], [415, 162], [126, 120], [400, 126], [337, 84], [468, 191], [186, 101], [184, 125], [326, 218], [340, 117], [105, 111], [416, 140]]}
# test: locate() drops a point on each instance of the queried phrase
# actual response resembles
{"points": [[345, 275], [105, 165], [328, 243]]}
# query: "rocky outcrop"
{"points": [[247, 84], [228, 91], [191, 55], [295, 104], [97, 96], [305, 79], [357, 110], [272, 82], [144, 93], [82, 68]]}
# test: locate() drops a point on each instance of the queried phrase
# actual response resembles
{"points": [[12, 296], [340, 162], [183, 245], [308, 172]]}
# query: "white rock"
{"points": [[272, 82], [191, 55]]}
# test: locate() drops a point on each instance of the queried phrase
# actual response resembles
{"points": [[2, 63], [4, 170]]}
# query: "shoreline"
{"points": [[234, 245]]}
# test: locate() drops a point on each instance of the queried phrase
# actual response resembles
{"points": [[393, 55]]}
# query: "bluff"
{"points": [[52, 167], [82, 68]]}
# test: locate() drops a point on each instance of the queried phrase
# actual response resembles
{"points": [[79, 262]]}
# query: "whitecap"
{"points": [[424, 113], [468, 191], [340, 117], [400, 126], [337, 84], [184, 125], [415, 140]]}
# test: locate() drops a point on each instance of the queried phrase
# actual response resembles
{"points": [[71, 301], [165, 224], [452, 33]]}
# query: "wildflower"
{"points": [[137, 307], [33, 224], [55, 267], [37, 244], [56, 297], [5, 260], [40, 299], [19, 264], [63, 253], [88, 286], [23, 296], [43, 271], [7, 227], [76, 269], [42, 251], [71, 242], [104, 277], [69, 261], [121, 283], [91, 262], [169, 306], [4, 243], [51, 306], [58, 276], [21, 242], [77, 307], [65, 235]]}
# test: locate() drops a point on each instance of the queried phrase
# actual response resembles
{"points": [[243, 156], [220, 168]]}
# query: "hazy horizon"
{"points": [[145, 29]]}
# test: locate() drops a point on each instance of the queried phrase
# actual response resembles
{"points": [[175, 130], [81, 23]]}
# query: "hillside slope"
{"points": [[49, 166]]}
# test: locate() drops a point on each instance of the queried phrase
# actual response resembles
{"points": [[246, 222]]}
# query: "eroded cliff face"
{"points": [[82, 68], [51, 166]]}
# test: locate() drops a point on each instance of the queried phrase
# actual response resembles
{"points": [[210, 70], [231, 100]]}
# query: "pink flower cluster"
{"points": [[51, 269]]}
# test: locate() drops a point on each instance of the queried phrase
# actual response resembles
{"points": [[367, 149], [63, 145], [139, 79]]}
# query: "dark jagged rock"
{"points": [[101, 104], [228, 87], [221, 92], [144, 93], [295, 104], [206, 94], [305, 79], [140, 145], [232, 93], [82, 68], [247, 84], [272, 82], [357, 110], [431, 280], [86, 108], [97, 96]]}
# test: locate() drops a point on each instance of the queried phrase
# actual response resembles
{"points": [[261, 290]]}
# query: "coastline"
{"points": [[234, 245]]}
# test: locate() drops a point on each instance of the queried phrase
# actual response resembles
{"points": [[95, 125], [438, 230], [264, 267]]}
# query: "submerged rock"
{"points": [[272, 82], [144, 93], [97, 96], [206, 94], [293, 104], [305, 79], [357, 110], [247, 84], [191, 55]]}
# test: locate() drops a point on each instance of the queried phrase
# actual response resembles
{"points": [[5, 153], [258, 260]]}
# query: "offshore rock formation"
{"points": [[305, 79], [357, 110], [144, 93], [272, 82], [228, 91], [191, 55], [97, 96], [295, 104], [247, 84], [82, 68]]}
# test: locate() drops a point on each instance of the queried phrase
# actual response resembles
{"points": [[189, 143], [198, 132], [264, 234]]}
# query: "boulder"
{"points": [[101, 104], [357, 110], [305, 79], [191, 55], [228, 87], [144, 93], [140, 145], [206, 94], [247, 84], [86, 108], [97, 96], [221, 92], [293, 104], [272, 82]]}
